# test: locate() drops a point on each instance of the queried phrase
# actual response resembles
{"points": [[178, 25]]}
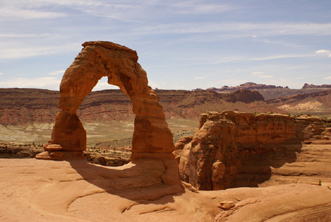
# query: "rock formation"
{"points": [[247, 85], [119, 64], [39, 106], [312, 86], [232, 149], [243, 95]]}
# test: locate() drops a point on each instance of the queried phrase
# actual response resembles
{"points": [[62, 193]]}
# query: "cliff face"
{"points": [[302, 96], [21, 106], [305, 102], [232, 149], [28, 106]]}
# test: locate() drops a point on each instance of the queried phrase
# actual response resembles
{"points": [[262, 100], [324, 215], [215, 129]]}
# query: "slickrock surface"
{"points": [[36, 190], [233, 149]]}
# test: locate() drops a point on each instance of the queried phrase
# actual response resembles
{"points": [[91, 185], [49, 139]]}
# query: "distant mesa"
{"points": [[312, 86], [247, 85], [39, 106], [244, 95]]}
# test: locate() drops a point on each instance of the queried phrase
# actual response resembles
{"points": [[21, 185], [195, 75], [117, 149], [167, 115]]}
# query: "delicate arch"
{"points": [[119, 63]]}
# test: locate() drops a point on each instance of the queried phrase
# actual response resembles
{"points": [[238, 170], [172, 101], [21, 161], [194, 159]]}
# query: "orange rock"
{"points": [[119, 63], [232, 149]]}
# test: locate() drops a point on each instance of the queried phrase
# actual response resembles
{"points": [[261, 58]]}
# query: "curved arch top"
{"points": [[119, 63]]}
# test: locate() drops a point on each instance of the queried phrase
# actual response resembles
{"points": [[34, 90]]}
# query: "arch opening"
{"points": [[107, 125]]}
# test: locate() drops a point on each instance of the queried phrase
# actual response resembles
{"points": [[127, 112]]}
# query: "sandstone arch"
{"points": [[119, 63]]}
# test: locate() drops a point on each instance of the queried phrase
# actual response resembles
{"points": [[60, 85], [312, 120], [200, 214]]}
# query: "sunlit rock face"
{"points": [[119, 63], [233, 149]]}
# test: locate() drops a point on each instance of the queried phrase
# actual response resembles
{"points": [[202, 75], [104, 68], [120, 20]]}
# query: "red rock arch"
{"points": [[119, 63]]}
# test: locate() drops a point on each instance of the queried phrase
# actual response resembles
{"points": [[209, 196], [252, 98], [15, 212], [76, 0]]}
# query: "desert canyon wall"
{"points": [[233, 149]]}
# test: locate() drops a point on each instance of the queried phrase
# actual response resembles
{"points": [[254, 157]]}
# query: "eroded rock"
{"points": [[119, 64], [232, 149], [152, 140]]}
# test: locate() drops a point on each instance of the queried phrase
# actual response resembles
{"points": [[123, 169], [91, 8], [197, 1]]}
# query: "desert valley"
{"points": [[252, 152]]}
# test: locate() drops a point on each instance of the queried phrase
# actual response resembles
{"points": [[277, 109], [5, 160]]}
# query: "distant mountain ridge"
{"points": [[29, 106], [26, 106], [315, 103], [312, 86], [255, 86], [272, 91], [247, 85]]}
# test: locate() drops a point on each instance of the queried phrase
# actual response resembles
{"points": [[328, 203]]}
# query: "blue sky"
{"points": [[181, 44]]}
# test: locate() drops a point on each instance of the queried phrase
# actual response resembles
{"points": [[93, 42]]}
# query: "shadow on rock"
{"points": [[143, 179], [233, 149]]}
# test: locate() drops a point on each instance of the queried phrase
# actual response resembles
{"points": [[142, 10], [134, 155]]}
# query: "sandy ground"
{"points": [[39, 190]]}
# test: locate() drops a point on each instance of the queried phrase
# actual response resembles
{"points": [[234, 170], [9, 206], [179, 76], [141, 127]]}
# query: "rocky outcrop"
{"points": [[312, 103], [298, 97], [243, 95], [247, 86], [232, 149], [312, 86], [17, 150]]}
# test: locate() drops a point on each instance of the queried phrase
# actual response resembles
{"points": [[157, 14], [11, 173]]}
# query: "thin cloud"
{"points": [[261, 29], [229, 82], [1, 73], [18, 13], [322, 51], [280, 43], [327, 78], [193, 8], [26, 52], [55, 73], [42, 35], [261, 75], [155, 85], [43, 83], [282, 57], [200, 77], [265, 76]]}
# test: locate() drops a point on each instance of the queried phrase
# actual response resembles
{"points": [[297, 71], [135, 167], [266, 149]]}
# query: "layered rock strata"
{"points": [[232, 149], [119, 64], [152, 138]]}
